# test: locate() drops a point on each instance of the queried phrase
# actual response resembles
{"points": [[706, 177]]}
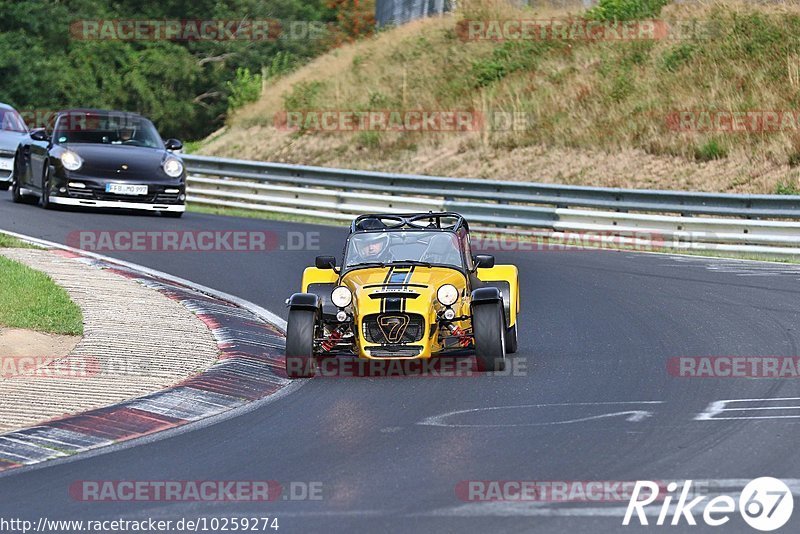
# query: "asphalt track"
{"points": [[596, 332]]}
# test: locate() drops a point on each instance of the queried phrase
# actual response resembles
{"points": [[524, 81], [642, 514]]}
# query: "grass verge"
{"points": [[6, 241], [30, 299], [258, 214]]}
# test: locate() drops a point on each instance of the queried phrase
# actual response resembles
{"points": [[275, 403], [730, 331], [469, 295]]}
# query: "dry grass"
{"points": [[598, 110]]}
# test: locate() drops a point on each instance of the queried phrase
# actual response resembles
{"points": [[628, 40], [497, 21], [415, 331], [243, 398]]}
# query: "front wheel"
{"points": [[300, 330], [511, 339], [45, 198], [4, 187], [488, 328]]}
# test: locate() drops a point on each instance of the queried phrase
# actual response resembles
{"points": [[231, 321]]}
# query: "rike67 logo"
{"points": [[765, 503]]}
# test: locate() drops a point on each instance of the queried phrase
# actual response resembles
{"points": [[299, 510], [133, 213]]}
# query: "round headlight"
{"points": [[71, 161], [173, 167], [447, 294], [342, 297]]}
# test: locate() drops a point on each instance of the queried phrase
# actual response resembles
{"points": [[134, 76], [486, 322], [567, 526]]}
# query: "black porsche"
{"points": [[101, 159]]}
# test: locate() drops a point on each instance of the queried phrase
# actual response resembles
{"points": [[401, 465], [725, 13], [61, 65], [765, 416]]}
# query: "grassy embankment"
{"points": [[599, 110], [31, 300]]}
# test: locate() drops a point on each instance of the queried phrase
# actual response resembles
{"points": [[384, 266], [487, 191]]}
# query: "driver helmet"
{"points": [[372, 247], [126, 133]]}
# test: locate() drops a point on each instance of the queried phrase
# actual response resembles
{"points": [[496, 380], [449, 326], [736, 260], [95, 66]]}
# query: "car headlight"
{"points": [[173, 167], [447, 294], [71, 161], [342, 297]]}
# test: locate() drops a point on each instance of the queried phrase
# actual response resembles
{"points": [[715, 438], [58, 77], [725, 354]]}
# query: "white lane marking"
{"points": [[721, 406], [633, 415]]}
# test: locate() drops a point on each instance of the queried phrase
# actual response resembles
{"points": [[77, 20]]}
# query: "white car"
{"points": [[12, 131]]}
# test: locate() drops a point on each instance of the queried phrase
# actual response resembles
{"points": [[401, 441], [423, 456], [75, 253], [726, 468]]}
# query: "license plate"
{"points": [[6, 164], [126, 189]]}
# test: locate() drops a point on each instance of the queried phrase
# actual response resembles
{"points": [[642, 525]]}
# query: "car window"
{"points": [[107, 128], [439, 248], [11, 121]]}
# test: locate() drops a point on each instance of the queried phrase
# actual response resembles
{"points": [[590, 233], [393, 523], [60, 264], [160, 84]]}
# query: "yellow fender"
{"points": [[312, 275], [509, 274]]}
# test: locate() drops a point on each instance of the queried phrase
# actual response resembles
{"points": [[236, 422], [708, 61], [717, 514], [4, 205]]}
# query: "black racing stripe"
{"points": [[386, 280], [393, 305], [405, 281]]}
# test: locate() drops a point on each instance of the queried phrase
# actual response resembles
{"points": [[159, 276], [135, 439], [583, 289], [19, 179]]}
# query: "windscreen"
{"points": [[107, 129], [438, 248], [11, 121]]}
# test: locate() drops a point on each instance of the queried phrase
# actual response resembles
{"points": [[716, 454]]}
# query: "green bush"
{"points": [[677, 56], [710, 150], [243, 89], [303, 96], [787, 188], [626, 9]]}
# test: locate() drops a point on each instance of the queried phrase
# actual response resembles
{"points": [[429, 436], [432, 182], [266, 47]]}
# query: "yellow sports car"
{"points": [[408, 288]]}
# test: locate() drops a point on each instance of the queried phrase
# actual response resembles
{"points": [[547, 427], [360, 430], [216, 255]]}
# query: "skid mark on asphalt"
{"points": [[737, 268], [633, 416]]}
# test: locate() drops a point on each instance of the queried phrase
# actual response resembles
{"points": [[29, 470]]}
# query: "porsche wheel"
{"points": [[511, 339], [16, 194], [488, 328], [45, 198], [300, 343]]}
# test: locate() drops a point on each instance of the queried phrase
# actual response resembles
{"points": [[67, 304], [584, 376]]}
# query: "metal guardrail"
{"points": [[764, 224]]}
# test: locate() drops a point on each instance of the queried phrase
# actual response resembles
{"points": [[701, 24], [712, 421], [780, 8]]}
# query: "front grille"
{"points": [[155, 196], [398, 328], [405, 351]]}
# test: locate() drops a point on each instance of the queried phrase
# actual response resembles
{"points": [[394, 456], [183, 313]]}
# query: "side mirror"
{"points": [[173, 144], [484, 261], [39, 134], [325, 262]]}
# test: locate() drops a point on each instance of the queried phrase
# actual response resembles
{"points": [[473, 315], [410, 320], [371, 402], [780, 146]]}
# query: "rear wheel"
{"points": [[16, 193], [488, 328], [300, 343]]}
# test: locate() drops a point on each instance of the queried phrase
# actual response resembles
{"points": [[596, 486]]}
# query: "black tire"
{"points": [[172, 214], [44, 200], [4, 187], [511, 339], [488, 328], [300, 329], [16, 196]]}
